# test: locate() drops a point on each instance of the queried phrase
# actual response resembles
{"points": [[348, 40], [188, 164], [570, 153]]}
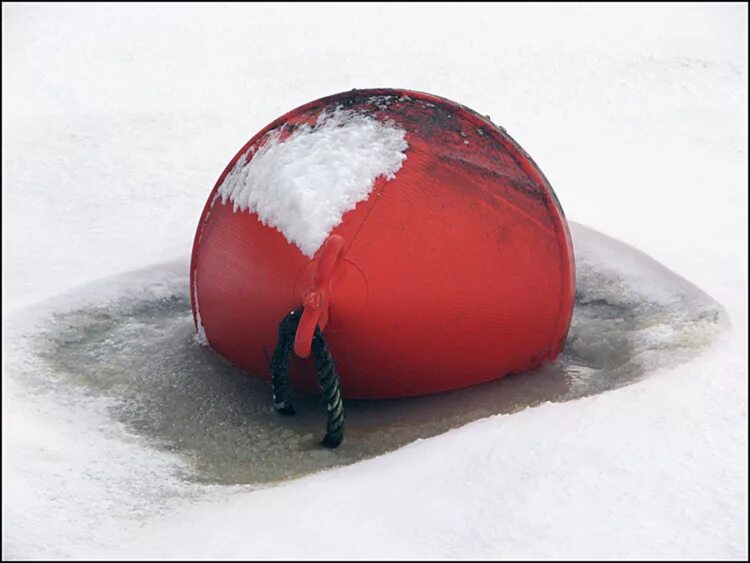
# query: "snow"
{"points": [[200, 336], [303, 184], [117, 123]]}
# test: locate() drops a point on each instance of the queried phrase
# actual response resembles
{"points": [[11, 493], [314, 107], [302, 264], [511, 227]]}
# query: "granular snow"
{"points": [[302, 185]]}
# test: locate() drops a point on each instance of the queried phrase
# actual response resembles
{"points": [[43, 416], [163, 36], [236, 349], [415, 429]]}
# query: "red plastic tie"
{"points": [[315, 299]]}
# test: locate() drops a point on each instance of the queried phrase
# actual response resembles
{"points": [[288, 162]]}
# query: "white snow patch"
{"points": [[303, 185], [200, 337]]}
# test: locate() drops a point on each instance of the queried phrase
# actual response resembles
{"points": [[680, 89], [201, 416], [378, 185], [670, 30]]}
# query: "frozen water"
{"points": [[136, 348]]}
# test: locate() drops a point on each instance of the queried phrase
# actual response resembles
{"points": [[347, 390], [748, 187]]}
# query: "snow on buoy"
{"points": [[421, 239]]}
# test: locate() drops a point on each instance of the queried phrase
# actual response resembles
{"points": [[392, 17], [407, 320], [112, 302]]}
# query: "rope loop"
{"points": [[328, 379]]}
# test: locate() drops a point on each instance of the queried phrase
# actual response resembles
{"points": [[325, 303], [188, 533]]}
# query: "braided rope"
{"points": [[280, 363], [331, 390], [328, 379]]}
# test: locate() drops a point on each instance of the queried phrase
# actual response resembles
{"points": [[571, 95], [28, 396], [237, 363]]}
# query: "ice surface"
{"points": [[303, 184], [140, 354]]}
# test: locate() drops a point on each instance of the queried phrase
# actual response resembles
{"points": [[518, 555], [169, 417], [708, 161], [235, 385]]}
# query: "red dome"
{"points": [[457, 270]]}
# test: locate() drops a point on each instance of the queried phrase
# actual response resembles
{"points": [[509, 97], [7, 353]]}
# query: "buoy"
{"points": [[420, 239]]}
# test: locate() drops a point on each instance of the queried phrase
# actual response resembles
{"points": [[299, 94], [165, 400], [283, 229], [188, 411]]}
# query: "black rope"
{"points": [[280, 362], [331, 389], [328, 379]]}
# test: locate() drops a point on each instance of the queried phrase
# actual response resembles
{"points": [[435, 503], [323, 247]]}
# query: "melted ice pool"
{"points": [[135, 348]]}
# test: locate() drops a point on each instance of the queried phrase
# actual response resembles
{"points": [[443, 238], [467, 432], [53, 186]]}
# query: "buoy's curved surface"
{"points": [[456, 265]]}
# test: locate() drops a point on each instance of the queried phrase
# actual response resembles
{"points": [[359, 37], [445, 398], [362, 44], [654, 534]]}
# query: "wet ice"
{"points": [[137, 349]]}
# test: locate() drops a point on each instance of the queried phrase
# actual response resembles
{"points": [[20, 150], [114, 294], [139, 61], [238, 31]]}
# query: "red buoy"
{"points": [[452, 267]]}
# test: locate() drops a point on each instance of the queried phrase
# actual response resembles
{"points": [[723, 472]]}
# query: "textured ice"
{"points": [[137, 353], [303, 184]]}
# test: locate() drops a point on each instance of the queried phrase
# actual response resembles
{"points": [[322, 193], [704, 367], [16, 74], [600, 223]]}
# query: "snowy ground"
{"points": [[117, 120]]}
